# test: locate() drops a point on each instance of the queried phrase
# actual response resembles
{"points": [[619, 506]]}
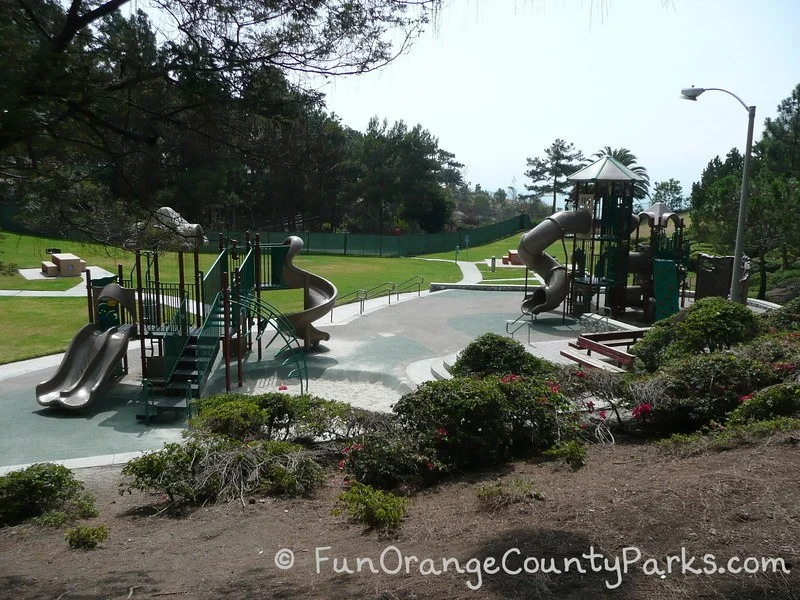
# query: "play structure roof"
{"points": [[605, 169]]}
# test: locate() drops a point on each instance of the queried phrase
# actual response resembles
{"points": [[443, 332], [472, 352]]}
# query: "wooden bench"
{"points": [[592, 363], [619, 356]]}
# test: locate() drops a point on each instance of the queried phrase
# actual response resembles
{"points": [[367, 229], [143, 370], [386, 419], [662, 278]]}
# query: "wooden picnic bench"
{"points": [[608, 344], [591, 363]]}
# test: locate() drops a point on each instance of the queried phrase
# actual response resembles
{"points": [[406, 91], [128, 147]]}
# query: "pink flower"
{"points": [[342, 463], [441, 432], [745, 398], [602, 414], [590, 406], [283, 387], [580, 374], [641, 411], [431, 466]]}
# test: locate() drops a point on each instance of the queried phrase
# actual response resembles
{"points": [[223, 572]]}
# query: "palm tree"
{"points": [[641, 189]]}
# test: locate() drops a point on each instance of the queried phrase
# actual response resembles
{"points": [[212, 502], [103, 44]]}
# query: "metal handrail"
{"points": [[357, 296], [408, 284], [520, 322], [386, 285]]}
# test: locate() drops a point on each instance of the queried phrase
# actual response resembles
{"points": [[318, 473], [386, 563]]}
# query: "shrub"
{"points": [[465, 418], [46, 492], [782, 400], [208, 467], [731, 436], [785, 318], [235, 419], [571, 452], [87, 537], [373, 508], [390, 459], [705, 388], [537, 415], [493, 354], [496, 497], [708, 325], [780, 349], [652, 348], [283, 417], [8, 269]]}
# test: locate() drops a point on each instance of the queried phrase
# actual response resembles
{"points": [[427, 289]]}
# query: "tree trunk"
{"points": [[785, 256]]}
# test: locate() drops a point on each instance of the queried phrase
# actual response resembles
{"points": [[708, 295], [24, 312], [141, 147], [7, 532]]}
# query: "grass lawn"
{"points": [[501, 273], [22, 318], [348, 273], [499, 249], [31, 327]]}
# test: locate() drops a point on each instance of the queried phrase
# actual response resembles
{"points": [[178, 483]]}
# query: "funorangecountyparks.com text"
{"points": [[514, 562]]}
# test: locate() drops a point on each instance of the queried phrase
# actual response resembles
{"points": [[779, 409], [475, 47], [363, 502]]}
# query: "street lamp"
{"points": [[736, 277]]}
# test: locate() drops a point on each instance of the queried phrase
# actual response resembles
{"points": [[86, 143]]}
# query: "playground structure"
{"points": [[609, 260], [182, 327]]}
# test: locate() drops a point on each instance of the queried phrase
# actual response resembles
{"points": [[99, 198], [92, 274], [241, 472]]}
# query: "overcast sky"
{"points": [[498, 80]]}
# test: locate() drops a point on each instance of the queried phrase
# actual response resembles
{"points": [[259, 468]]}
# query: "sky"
{"points": [[497, 81]]}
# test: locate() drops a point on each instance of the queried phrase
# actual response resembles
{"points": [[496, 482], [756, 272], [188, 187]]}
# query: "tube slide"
{"points": [[318, 299], [87, 364], [532, 253]]}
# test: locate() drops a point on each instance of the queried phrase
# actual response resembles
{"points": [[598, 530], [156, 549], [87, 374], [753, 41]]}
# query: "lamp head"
{"points": [[691, 93]]}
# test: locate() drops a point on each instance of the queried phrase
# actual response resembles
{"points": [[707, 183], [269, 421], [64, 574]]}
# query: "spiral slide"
{"points": [[532, 253], [318, 299]]}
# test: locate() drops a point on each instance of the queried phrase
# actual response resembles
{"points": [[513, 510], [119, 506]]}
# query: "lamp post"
{"points": [[736, 277]]}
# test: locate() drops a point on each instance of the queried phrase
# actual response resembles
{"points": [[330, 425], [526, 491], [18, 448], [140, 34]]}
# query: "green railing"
{"points": [[176, 336], [208, 341], [291, 353], [212, 281], [273, 256], [247, 274]]}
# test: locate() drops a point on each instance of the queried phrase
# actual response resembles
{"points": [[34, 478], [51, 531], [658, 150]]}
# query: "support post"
{"points": [[198, 299], [89, 295], [140, 306], [258, 266], [239, 326], [226, 329]]}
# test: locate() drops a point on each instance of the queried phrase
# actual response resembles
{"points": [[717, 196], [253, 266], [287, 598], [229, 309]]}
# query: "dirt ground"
{"points": [[629, 501]]}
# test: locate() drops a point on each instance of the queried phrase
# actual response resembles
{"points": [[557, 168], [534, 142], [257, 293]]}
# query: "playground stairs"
{"points": [[186, 370]]}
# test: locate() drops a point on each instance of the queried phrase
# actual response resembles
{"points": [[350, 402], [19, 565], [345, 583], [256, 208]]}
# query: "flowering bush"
{"points": [[782, 400], [782, 350], [391, 459], [470, 416], [695, 391], [538, 415]]}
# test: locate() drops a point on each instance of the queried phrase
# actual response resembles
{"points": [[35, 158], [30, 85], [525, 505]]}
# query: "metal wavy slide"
{"points": [[531, 251], [90, 358], [318, 299]]}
